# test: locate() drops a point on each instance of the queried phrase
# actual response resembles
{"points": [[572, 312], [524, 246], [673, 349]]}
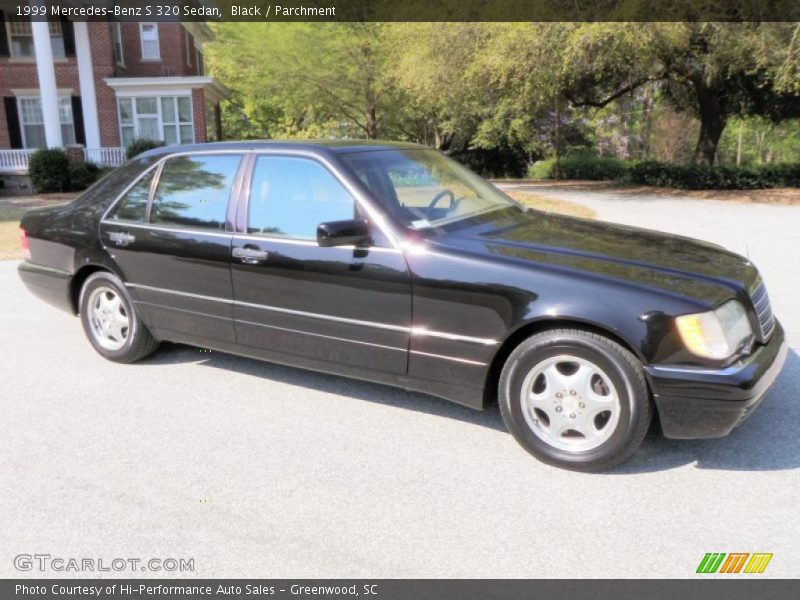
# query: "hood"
{"points": [[678, 265]]}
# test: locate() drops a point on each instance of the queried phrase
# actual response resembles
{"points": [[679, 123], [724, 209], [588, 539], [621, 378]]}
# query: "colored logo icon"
{"points": [[734, 562]]}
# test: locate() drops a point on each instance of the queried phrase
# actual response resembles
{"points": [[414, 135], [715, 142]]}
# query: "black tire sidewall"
{"points": [[109, 280], [621, 373]]}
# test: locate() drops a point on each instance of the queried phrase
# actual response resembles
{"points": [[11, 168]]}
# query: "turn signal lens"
{"points": [[716, 334]]}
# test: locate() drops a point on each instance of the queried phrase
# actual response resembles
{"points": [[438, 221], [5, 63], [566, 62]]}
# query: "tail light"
{"points": [[26, 247]]}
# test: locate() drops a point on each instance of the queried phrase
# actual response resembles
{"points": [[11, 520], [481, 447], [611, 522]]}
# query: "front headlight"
{"points": [[715, 334]]}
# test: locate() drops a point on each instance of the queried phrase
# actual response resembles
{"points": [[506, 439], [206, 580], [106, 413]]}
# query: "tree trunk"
{"points": [[557, 140], [442, 139], [712, 124], [371, 125], [739, 144], [647, 122]]}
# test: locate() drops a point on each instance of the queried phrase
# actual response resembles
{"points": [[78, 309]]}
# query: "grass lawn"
{"points": [[11, 211], [564, 207], [785, 196]]}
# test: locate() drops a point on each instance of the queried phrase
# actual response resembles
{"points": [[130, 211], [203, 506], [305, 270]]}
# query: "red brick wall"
{"points": [[172, 41], [103, 66], [172, 44], [199, 113], [23, 75]]}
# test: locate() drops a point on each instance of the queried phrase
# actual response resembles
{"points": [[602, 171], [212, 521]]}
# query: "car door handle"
{"points": [[121, 238], [250, 256]]}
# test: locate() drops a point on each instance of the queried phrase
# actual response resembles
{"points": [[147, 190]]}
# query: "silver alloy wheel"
{"points": [[570, 403], [108, 319]]}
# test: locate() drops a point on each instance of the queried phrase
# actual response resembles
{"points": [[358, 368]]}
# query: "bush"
{"points": [[696, 177], [140, 145], [49, 170], [82, 175], [687, 177], [579, 166]]}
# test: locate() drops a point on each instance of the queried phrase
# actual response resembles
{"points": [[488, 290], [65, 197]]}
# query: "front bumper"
{"points": [[706, 403]]}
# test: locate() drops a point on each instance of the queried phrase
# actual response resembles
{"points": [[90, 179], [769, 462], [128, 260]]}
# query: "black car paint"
{"points": [[437, 314]]}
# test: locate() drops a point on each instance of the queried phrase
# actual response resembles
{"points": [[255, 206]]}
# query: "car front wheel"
{"points": [[110, 321], [575, 399]]}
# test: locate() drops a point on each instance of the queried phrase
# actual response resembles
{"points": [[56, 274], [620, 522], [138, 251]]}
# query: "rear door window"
{"points": [[193, 191], [133, 205]]}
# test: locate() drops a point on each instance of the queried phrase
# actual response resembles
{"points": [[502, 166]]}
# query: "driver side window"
{"points": [[291, 196]]}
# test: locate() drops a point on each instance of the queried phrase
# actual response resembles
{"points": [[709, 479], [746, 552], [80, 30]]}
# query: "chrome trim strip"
{"points": [[418, 331], [422, 331], [453, 358], [300, 242], [188, 230], [183, 310], [729, 370], [177, 293], [302, 313], [329, 337]]}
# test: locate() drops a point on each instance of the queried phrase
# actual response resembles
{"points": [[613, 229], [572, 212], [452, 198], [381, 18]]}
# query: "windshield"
{"points": [[424, 188]]}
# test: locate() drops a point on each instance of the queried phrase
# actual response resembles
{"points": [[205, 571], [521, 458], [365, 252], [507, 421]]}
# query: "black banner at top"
{"points": [[406, 10]]}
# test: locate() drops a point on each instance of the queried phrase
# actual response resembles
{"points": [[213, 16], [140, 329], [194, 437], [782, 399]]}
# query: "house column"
{"points": [[91, 123], [47, 83]]}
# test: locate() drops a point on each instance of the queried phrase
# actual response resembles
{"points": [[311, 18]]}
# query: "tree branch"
{"points": [[609, 99]]}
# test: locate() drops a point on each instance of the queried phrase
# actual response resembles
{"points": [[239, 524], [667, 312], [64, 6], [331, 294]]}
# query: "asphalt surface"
{"points": [[258, 470]]}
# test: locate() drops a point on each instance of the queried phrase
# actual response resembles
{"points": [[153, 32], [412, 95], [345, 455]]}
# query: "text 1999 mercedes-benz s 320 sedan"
{"points": [[392, 263]]}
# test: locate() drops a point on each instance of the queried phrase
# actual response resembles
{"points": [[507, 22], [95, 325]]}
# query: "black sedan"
{"points": [[392, 263]]}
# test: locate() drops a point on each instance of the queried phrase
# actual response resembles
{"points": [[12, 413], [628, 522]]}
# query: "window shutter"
{"points": [[12, 118], [69, 36], [77, 119], [3, 37]]}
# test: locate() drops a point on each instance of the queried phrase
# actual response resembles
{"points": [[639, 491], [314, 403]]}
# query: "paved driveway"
{"points": [[254, 469]]}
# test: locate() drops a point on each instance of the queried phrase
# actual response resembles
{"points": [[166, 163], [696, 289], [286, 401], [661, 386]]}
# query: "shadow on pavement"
{"points": [[331, 384], [768, 441]]}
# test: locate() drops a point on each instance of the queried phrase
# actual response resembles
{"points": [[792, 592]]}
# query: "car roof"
{"points": [[337, 146]]}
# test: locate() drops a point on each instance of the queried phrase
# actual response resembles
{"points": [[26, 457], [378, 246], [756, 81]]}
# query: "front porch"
{"points": [[15, 161]]}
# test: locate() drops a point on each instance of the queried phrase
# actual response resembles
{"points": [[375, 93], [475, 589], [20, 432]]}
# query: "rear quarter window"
{"points": [[133, 205]]}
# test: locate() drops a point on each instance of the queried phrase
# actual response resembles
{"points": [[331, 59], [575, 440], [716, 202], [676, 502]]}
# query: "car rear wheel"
{"points": [[575, 399], [110, 321]]}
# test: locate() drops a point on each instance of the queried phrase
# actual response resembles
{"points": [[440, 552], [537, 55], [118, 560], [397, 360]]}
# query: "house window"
{"points": [[116, 39], [20, 38], [32, 121], [200, 66], [166, 118], [148, 32]]}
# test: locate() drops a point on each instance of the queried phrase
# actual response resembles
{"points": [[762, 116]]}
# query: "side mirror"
{"points": [[343, 233]]}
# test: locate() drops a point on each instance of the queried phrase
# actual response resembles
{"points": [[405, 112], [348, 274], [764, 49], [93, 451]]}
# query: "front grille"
{"points": [[760, 299]]}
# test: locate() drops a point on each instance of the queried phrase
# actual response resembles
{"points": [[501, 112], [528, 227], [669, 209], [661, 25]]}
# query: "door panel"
{"points": [[168, 236], [179, 280], [340, 304], [336, 304]]}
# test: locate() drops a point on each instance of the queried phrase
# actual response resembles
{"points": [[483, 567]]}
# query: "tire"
{"points": [[575, 399], [105, 308]]}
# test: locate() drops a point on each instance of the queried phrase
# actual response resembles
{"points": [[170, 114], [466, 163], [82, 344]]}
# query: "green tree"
{"points": [[714, 70], [299, 78], [432, 64]]}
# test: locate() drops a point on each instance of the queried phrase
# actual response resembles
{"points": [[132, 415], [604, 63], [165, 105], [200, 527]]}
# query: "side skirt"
{"points": [[466, 396]]}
